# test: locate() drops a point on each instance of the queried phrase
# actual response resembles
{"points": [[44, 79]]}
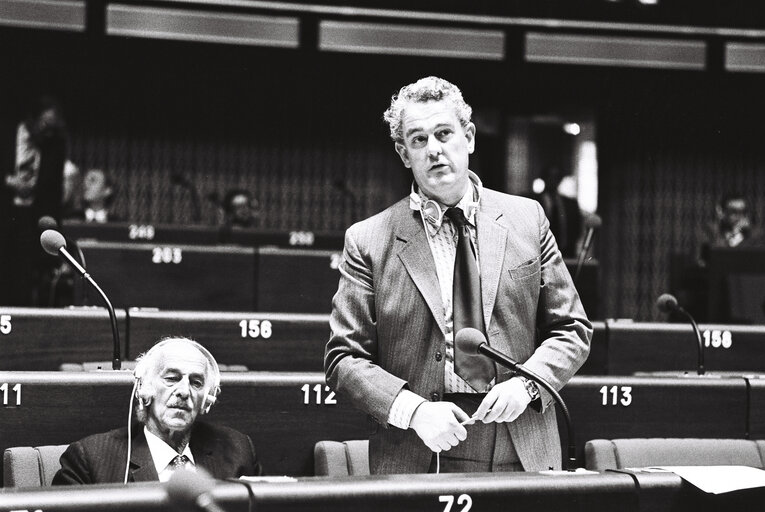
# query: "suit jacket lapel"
{"points": [[141, 464], [203, 455], [492, 241], [414, 250]]}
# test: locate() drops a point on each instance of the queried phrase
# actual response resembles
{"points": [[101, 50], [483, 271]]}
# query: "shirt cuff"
{"points": [[403, 408]]}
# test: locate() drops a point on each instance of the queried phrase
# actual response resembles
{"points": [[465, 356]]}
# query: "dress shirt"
{"points": [[100, 216], [162, 455], [442, 237]]}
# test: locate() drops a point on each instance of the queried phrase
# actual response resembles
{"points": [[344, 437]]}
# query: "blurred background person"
{"points": [[95, 198], [71, 191], [557, 193], [32, 189], [732, 227], [240, 209]]}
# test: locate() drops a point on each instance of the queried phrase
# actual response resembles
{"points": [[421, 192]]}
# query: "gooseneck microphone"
{"points": [[667, 303], [190, 490], [54, 244], [473, 341], [593, 222]]}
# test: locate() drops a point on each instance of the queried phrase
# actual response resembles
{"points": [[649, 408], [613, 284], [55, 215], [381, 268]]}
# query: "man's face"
{"points": [[735, 214], [437, 148], [241, 207], [94, 186], [179, 383]]}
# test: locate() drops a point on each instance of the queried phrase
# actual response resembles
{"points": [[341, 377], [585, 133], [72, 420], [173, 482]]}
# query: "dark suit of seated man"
{"points": [[177, 381]]}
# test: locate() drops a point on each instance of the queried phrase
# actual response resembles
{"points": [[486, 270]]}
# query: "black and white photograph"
{"points": [[374, 255]]}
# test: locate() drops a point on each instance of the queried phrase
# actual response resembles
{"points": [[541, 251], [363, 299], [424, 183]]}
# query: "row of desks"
{"points": [[530, 492], [133, 232], [228, 277], [43, 339], [287, 413]]}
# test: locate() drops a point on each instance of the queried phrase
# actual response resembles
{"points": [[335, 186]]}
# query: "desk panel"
{"points": [[616, 407], [285, 414], [597, 361], [757, 408], [43, 339], [296, 280], [529, 492], [192, 277], [484, 492], [647, 346], [195, 235], [128, 232], [260, 341]]}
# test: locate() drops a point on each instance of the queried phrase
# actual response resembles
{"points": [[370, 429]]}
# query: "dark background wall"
{"points": [[303, 130]]}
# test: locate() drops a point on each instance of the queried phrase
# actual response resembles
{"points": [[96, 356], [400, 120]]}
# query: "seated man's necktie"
{"points": [[179, 462]]}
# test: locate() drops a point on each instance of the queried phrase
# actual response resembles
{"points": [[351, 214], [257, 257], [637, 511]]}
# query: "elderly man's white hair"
{"points": [[147, 362], [431, 88]]}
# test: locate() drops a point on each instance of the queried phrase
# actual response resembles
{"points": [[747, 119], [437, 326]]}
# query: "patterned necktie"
{"points": [[179, 462], [475, 369]]}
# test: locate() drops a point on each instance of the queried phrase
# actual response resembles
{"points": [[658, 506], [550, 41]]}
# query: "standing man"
{"points": [[400, 295]]}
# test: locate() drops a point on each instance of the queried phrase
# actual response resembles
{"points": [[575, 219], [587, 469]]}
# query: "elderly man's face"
{"points": [[436, 147], [179, 383]]}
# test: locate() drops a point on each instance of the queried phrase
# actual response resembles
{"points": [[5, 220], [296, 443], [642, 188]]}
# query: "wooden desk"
{"points": [[530, 492], [598, 359], [647, 346], [616, 407], [260, 341], [757, 408], [296, 280], [286, 413], [43, 339], [193, 277], [127, 232], [278, 410]]}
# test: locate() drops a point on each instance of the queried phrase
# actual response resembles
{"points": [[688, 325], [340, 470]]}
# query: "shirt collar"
{"points": [[432, 212], [161, 452], [95, 215]]}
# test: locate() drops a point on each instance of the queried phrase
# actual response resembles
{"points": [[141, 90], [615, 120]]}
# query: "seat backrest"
{"points": [[602, 454], [28, 466], [341, 458]]}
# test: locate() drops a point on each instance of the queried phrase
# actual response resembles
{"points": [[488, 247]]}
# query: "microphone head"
{"points": [[666, 303], [468, 340], [592, 220], [52, 241], [47, 222], [185, 487]]}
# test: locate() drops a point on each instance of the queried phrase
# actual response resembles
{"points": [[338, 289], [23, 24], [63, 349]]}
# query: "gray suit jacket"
{"points": [[387, 322]]}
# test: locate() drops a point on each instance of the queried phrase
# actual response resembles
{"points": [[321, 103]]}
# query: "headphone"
{"points": [[143, 392]]}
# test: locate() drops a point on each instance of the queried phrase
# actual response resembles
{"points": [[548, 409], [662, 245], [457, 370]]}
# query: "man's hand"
{"points": [[504, 402], [438, 425]]}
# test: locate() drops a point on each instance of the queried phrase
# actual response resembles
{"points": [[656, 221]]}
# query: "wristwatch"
{"points": [[531, 388]]}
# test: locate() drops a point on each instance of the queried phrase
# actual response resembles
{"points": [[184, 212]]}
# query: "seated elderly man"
{"points": [[176, 381]]}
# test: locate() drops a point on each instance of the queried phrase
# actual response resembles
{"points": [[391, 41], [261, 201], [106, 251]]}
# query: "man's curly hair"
{"points": [[431, 88]]}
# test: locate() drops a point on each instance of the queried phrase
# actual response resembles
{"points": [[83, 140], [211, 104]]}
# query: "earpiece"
{"points": [[210, 400]]}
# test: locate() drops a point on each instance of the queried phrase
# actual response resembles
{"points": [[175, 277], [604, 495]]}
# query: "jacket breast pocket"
{"points": [[526, 269]]}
